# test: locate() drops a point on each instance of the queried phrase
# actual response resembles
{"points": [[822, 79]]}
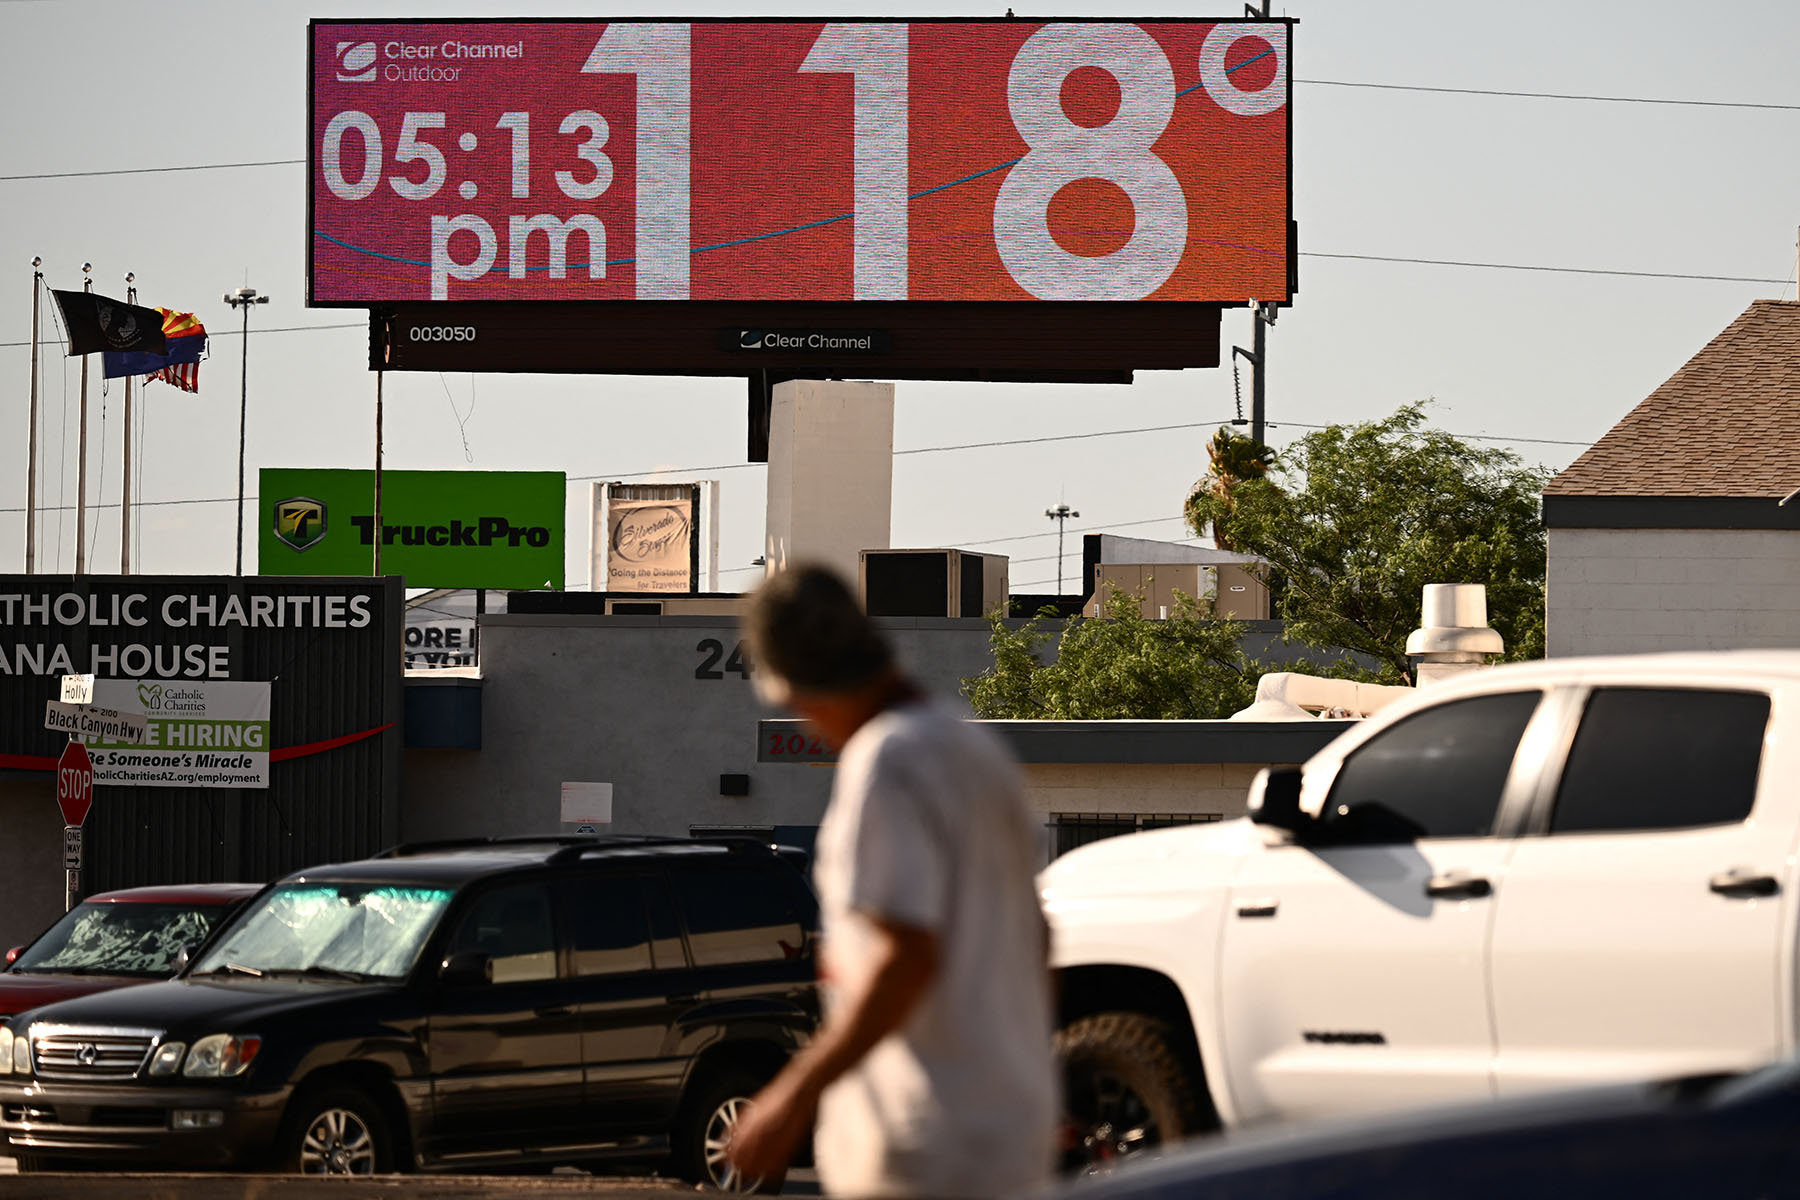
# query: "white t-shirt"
{"points": [[928, 826]]}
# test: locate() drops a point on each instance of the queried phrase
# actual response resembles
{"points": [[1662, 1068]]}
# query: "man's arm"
{"points": [[906, 961]]}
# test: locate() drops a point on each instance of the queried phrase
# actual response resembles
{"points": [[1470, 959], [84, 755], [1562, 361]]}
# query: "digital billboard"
{"points": [[964, 161]]}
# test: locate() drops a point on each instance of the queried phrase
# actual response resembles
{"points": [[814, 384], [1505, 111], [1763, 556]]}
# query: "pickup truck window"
{"points": [[1437, 774], [1662, 758], [740, 913], [606, 913], [512, 924]]}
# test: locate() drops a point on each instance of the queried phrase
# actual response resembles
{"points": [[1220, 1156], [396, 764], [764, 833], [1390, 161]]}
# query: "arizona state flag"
{"points": [[99, 323], [185, 339]]}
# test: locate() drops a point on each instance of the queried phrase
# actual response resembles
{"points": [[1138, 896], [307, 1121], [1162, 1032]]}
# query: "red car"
{"points": [[114, 940]]}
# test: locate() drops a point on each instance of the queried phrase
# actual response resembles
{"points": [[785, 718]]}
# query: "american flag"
{"points": [[186, 338]]}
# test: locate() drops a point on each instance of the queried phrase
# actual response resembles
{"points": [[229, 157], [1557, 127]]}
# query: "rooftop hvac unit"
{"points": [[931, 583]]}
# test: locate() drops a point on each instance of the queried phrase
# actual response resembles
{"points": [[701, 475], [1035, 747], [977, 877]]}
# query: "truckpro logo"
{"points": [[482, 531], [300, 522]]}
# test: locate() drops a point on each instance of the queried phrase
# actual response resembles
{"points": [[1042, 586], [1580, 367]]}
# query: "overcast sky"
{"points": [[1547, 355]]}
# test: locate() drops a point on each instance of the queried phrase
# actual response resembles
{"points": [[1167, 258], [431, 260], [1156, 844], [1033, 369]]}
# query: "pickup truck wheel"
{"points": [[703, 1130], [1124, 1092], [336, 1131]]}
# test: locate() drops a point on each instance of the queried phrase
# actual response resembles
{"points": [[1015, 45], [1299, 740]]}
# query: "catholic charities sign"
{"points": [[200, 733]]}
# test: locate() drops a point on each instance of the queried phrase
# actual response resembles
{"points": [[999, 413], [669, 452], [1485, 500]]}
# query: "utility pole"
{"points": [[243, 298], [1060, 514]]}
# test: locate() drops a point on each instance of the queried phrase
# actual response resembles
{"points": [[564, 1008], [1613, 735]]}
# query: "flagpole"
{"points": [[37, 290], [87, 285], [125, 492]]}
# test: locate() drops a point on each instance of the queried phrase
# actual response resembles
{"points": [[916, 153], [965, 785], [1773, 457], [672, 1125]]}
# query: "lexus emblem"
{"points": [[87, 1054]]}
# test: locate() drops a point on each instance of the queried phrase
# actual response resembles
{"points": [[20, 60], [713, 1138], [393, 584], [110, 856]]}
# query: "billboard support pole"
{"points": [[378, 378], [1256, 382]]}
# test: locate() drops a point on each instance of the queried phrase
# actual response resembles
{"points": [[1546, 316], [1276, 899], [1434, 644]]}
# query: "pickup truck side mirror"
{"points": [[183, 957], [1275, 800], [12, 956], [466, 968]]}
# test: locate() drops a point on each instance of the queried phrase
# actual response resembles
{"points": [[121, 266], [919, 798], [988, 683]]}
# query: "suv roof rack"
{"points": [[404, 849], [566, 847], [609, 841]]}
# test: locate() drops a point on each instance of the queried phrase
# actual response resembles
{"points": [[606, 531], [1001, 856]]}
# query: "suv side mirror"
{"points": [[1275, 800], [183, 957], [466, 968], [12, 956]]}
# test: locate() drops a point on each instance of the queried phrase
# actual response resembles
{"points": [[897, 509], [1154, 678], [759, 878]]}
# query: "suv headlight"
{"points": [[221, 1055], [6, 1048]]}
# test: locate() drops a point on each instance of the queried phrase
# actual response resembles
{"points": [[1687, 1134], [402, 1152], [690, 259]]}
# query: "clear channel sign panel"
{"points": [[977, 160]]}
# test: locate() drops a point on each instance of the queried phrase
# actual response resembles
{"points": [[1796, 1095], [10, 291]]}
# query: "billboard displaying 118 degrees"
{"points": [[799, 160]]}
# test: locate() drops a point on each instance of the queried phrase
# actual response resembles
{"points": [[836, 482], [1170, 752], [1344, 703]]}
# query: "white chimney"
{"points": [[1453, 636]]}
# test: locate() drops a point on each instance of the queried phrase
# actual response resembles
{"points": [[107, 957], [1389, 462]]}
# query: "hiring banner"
{"points": [[198, 733]]}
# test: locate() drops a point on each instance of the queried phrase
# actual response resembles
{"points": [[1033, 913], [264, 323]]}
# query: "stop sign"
{"points": [[74, 783]]}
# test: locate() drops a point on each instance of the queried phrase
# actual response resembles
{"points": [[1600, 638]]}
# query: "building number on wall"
{"points": [[712, 650]]}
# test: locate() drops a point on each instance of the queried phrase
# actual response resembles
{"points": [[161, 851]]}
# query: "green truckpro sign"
{"points": [[439, 529]]}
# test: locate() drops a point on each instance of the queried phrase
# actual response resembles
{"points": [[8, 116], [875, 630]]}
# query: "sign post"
{"points": [[74, 793]]}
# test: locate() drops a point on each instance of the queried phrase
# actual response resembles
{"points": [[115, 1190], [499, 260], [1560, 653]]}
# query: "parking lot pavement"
{"points": [[800, 1182], [295, 1187]]}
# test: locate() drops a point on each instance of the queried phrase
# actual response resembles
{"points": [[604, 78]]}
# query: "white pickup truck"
{"points": [[1550, 874]]}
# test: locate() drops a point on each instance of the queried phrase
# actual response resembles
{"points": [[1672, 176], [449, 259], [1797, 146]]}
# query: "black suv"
{"points": [[500, 1004]]}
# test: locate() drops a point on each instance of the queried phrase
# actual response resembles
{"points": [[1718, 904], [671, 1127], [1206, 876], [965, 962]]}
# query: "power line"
{"points": [[1098, 433], [1348, 83], [1407, 87], [1496, 266], [223, 166], [231, 333]]}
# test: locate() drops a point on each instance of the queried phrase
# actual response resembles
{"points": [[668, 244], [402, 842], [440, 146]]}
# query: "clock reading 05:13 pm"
{"points": [[1058, 151]]}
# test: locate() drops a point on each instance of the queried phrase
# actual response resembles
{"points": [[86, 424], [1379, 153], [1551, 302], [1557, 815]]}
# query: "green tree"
{"points": [[1371, 513], [1121, 667]]}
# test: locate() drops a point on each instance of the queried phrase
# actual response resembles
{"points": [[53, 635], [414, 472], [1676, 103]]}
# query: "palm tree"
{"points": [[1236, 459]]}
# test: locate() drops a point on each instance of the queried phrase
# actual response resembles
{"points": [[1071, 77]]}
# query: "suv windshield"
{"points": [[329, 930], [119, 938]]}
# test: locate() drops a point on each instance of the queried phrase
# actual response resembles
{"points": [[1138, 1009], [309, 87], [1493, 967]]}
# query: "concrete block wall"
{"points": [[1623, 591], [1189, 788]]}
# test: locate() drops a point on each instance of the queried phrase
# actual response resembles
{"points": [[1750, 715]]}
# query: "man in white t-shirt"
{"points": [[931, 1074]]}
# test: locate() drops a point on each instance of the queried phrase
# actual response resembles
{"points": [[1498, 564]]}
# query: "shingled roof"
{"points": [[1726, 425]]}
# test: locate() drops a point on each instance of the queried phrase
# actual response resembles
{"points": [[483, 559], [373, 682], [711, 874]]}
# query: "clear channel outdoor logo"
{"points": [[300, 522], [356, 62]]}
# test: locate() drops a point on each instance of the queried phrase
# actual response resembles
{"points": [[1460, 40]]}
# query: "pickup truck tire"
{"points": [[1124, 1091], [704, 1127]]}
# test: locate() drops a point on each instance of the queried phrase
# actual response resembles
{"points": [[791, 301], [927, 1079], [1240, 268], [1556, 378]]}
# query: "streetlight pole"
{"points": [[1060, 514], [243, 298]]}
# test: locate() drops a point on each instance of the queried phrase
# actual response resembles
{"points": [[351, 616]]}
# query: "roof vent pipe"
{"points": [[1453, 637]]}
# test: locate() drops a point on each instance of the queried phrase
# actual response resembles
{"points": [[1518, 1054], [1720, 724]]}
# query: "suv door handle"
{"points": [[685, 998], [555, 1010], [1739, 882], [1457, 885]]}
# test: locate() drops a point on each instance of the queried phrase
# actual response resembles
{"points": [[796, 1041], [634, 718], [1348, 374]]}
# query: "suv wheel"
{"points": [[703, 1131], [336, 1131], [1124, 1092]]}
